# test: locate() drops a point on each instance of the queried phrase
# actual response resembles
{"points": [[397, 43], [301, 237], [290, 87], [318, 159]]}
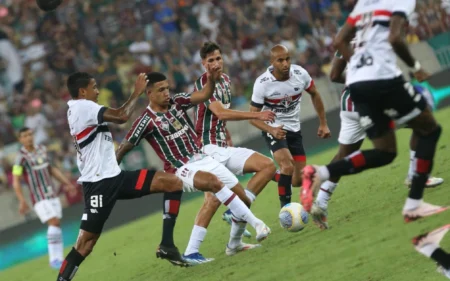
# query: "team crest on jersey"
{"points": [[164, 125], [286, 102]]}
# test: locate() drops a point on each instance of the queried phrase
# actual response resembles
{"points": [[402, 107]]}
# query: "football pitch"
{"points": [[368, 240]]}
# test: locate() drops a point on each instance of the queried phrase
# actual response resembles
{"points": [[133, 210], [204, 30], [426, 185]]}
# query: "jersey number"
{"points": [[365, 60], [97, 201], [271, 137]]}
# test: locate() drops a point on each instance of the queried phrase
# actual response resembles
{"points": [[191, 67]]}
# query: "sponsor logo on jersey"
{"points": [[297, 72], [141, 125], [179, 133], [264, 79]]}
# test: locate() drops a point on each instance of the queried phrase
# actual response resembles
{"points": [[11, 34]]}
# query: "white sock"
{"points": [[197, 236], [412, 164], [250, 195], [237, 207], [55, 243], [411, 204], [428, 249], [326, 190], [323, 173], [237, 229]]}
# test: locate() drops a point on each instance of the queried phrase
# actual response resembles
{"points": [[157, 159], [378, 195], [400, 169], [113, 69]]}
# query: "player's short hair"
{"points": [[207, 48], [76, 81], [23, 130], [155, 77]]}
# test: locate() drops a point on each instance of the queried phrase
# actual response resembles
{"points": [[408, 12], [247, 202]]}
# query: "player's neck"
{"points": [[158, 108], [29, 148], [280, 76]]}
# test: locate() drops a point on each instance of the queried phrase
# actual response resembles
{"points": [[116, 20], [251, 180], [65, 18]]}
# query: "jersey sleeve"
{"points": [[309, 82], [403, 8], [141, 127], [258, 94], [92, 113], [183, 100], [18, 166]]}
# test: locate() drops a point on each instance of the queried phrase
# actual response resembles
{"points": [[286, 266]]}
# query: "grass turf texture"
{"points": [[368, 240]]}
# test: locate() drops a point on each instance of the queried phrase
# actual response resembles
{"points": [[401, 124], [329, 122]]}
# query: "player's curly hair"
{"points": [[76, 81], [207, 48]]}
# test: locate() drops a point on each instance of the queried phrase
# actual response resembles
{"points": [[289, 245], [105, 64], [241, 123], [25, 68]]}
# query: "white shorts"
{"points": [[233, 158], [48, 209], [206, 164], [351, 130]]}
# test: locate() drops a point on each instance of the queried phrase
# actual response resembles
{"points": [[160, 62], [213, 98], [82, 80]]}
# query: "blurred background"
{"points": [[115, 40]]}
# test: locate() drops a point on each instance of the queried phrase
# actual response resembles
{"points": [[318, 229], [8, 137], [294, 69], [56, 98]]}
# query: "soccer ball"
{"points": [[48, 5], [293, 217]]}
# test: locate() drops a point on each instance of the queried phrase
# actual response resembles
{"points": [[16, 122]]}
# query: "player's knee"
{"points": [[268, 166], [85, 246], [214, 183], [171, 183], [287, 166]]}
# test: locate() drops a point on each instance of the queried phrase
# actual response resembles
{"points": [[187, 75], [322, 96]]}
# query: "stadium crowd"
{"points": [[114, 40]]}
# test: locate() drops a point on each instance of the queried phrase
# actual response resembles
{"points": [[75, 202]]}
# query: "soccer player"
{"points": [[280, 90], [350, 139], [33, 163], [103, 181], [428, 244], [168, 129], [211, 118], [381, 96]]}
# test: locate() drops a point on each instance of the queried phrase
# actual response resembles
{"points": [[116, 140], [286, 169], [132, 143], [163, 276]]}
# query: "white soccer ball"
{"points": [[293, 217]]}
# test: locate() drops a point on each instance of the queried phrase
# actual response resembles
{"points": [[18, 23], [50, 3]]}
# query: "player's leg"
{"points": [[49, 212], [295, 146], [428, 131], [428, 244], [432, 181]]}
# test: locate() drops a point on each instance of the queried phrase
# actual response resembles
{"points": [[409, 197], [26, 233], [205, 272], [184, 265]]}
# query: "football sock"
{"points": [[171, 208], [358, 162], [441, 257], [250, 195], [237, 207], [326, 190], [197, 236], [425, 150], [285, 189], [237, 229], [276, 177], [70, 266], [55, 243], [412, 164]]}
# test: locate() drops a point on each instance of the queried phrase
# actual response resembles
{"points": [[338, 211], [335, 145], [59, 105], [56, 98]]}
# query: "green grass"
{"points": [[368, 240]]}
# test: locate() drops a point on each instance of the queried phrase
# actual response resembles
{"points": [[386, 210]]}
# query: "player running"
{"points": [[280, 90], [211, 118], [380, 96], [350, 139], [103, 181], [34, 164], [167, 128]]}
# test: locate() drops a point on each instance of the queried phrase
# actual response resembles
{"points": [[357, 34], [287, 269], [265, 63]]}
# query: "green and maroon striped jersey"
{"points": [[171, 134], [35, 167], [209, 128], [346, 100]]}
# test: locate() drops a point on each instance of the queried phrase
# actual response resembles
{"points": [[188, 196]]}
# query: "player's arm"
{"points": [[324, 131], [59, 176], [344, 37], [122, 114], [276, 132], [397, 37], [235, 115], [338, 65], [124, 147], [213, 75], [134, 136], [17, 173]]}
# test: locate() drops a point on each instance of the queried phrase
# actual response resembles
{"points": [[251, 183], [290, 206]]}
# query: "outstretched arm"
{"points": [[123, 149], [122, 114], [213, 75], [234, 115]]}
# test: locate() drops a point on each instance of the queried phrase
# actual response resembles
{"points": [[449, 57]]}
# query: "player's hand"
{"points": [[214, 73], [23, 208], [70, 189], [421, 75], [141, 83], [324, 132], [278, 132], [266, 116]]}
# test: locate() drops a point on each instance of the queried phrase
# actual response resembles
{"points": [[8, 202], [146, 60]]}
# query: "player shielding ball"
{"points": [[166, 126], [34, 165], [280, 90]]}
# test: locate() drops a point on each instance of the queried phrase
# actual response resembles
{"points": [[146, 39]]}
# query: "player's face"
{"points": [[90, 92], [282, 63], [26, 138], [159, 93], [213, 59]]}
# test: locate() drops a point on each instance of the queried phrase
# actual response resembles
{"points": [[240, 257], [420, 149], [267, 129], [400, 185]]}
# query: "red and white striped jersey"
{"points": [[94, 143], [374, 58], [282, 97], [35, 167]]}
